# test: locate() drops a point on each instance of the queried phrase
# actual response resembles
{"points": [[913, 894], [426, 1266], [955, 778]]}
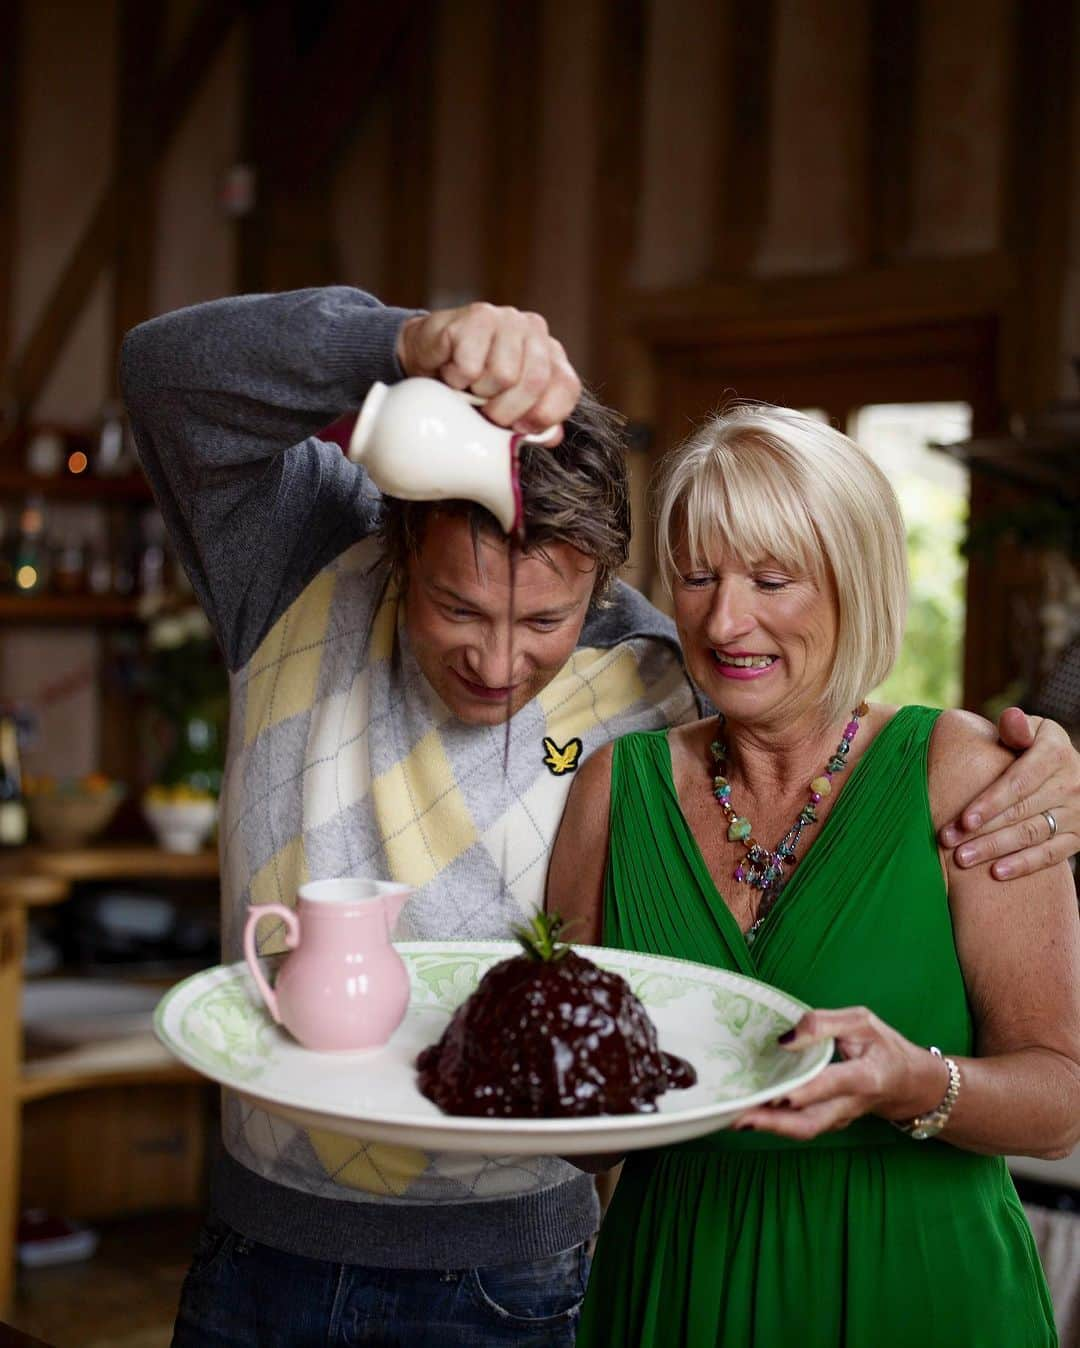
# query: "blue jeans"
{"points": [[241, 1294]]}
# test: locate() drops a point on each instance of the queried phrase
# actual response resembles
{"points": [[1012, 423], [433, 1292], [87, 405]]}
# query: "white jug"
{"points": [[424, 441]]}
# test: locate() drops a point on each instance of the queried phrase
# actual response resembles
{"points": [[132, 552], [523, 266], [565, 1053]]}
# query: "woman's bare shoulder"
{"points": [[595, 771], [965, 756]]}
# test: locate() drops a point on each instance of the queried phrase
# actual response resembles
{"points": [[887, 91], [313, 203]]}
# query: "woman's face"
{"points": [[759, 637]]}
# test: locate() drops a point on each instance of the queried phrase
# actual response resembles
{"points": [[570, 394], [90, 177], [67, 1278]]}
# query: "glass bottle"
{"points": [[13, 822], [30, 561], [113, 453]]}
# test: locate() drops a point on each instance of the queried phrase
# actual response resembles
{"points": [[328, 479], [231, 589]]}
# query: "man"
{"points": [[373, 659]]}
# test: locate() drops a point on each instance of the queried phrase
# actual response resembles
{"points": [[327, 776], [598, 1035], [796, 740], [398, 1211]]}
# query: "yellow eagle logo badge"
{"points": [[557, 760]]}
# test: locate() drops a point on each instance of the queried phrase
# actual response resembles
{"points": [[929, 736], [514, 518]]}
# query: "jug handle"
{"points": [[537, 438], [292, 939]]}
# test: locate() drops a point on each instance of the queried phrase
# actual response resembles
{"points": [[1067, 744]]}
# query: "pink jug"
{"points": [[344, 987]]}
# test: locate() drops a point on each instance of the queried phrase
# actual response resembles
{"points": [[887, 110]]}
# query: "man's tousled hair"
{"points": [[576, 492]]}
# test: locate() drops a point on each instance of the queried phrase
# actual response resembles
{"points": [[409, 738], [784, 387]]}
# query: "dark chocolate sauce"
{"points": [[549, 1039]]}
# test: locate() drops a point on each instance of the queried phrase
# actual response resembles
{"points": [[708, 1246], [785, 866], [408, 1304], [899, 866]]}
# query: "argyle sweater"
{"points": [[343, 760]]}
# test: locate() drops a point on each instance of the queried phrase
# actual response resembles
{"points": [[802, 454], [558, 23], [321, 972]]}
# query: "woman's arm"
{"points": [[575, 881], [1019, 948]]}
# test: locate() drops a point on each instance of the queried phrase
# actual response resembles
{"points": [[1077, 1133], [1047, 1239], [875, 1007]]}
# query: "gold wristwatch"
{"points": [[929, 1125]]}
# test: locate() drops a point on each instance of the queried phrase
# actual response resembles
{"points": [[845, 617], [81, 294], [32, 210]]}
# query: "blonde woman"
{"points": [[792, 839]]}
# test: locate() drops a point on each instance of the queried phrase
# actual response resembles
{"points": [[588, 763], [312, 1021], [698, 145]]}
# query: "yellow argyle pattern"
{"points": [[284, 671], [317, 789]]}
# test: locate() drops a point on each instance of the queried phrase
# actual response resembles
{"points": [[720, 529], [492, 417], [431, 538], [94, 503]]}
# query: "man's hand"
{"points": [[500, 354], [1007, 819]]}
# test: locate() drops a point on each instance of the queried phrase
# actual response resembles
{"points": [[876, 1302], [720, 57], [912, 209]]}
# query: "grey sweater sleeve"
{"points": [[225, 399]]}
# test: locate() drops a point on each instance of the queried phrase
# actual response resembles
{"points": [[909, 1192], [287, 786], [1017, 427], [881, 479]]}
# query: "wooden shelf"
{"points": [[135, 1060], [132, 861], [64, 487], [89, 609]]}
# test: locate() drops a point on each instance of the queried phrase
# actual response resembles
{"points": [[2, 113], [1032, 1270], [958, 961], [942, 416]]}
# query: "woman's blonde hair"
{"points": [[760, 481]]}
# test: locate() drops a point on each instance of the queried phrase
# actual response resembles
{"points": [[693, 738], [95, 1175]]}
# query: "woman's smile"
{"points": [[743, 665]]}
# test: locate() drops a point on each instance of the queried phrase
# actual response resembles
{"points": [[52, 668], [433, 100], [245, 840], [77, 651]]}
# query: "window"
{"points": [[933, 491]]}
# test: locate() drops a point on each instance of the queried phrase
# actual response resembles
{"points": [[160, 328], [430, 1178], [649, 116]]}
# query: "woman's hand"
{"points": [[1007, 820], [882, 1073], [499, 353]]}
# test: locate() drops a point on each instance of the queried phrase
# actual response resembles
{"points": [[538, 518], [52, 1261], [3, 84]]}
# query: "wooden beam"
{"points": [[894, 48], [10, 43], [618, 100], [515, 129], [352, 58], [982, 283], [287, 240], [1041, 164], [411, 164], [742, 180], [139, 28], [12, 951], [98, 242], [269, 61]]}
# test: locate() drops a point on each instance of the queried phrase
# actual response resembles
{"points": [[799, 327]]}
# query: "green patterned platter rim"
{"points": [[725, 1023]]}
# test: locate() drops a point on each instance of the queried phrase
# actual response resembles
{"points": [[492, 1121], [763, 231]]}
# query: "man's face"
{"points": [[457, 610]]}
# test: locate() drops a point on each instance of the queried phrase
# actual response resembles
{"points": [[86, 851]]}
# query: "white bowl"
{"points": [[183, 826], [73, 1011]]}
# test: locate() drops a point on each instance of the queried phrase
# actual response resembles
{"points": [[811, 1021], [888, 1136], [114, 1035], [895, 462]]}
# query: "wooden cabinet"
{"points": [[30, 879]]}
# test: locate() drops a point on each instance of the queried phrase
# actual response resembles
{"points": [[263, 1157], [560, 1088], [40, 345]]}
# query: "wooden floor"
{"points": [[124, 1297]]}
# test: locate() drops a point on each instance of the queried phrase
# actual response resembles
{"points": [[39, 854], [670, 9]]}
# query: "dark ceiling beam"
{"points": [[890, 162], [745, 153], [269, 63], [1041, 163], [10, 43], [618, 108], [139, 32], [515, 130], [351, 60], [295, 146], [98, 242], [411, 163]]}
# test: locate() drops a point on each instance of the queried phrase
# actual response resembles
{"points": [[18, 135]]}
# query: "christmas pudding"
{"points": [[549, 1034]]}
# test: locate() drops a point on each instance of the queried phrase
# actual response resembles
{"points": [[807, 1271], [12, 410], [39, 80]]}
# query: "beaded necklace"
{"points": [[761, 868]]}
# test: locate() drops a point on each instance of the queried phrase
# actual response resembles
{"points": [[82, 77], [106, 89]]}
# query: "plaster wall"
{"points": [[961, 127], [563, 198], [683, 134], [817, 175], [194, 253], [364, 234], [64, 148]]}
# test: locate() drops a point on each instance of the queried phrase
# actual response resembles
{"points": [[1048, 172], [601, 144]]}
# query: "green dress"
{"points": [[862, 1238]]}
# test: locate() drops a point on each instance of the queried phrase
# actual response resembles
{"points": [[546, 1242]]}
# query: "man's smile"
{"points": [[483, 690]]}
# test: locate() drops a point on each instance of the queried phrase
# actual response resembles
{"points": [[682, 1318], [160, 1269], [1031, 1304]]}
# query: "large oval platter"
{"points": [[724, 1023]]}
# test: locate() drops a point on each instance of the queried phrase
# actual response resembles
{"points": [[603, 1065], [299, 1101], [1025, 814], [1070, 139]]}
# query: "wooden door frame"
{"points": [[840, 360]]}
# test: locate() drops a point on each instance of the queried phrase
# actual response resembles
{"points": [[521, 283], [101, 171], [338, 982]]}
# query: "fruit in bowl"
{"points": [[182, 817], [70, 812]]}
